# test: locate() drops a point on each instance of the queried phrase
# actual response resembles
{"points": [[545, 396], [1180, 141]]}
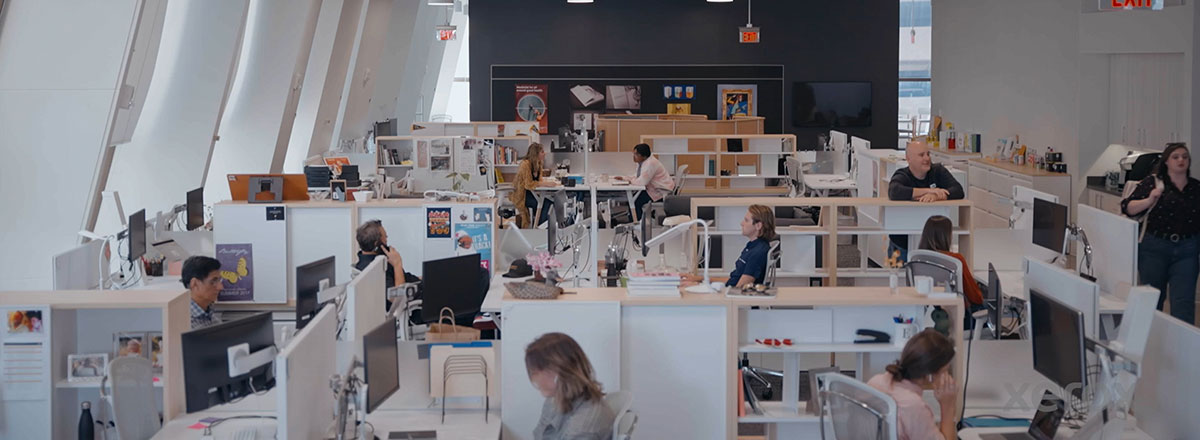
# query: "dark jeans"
{"points": [[1172, 268], [531, 204], [640, 202]]}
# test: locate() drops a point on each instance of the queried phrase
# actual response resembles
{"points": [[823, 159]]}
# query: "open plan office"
{"points": [[595, 219]]}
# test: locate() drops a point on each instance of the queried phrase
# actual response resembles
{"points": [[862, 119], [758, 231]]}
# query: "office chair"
{"points": [[131, 398], [621, 404], [856, 410], [404, 305], [657, 207], [749, 371], [947, 270]]}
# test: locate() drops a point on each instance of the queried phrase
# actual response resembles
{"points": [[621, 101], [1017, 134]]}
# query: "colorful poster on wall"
{"points": [[437, 222], [679, 92], [531, 102], [736, 100], [472, 238], [237, 271], [24, 353]]}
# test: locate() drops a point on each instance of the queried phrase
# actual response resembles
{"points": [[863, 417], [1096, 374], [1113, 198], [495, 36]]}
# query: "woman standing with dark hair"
{"points": [[924, 365], [574, 408], [1167, 255]]}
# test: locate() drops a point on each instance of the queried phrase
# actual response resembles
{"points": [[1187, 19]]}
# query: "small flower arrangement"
{"points": [[543, 263], [894, 261]]}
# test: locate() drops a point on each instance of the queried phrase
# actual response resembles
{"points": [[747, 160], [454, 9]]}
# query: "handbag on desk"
{"points": [[441, 332]]}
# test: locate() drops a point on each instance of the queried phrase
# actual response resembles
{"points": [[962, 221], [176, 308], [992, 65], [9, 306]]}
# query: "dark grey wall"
{"points": [[831, 40]]}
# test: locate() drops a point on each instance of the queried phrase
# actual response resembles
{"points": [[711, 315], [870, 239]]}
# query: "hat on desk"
{"points": [[519, 269]]}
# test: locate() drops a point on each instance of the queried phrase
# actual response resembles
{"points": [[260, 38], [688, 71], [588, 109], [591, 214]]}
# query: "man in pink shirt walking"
{"points": [[650, 173]]}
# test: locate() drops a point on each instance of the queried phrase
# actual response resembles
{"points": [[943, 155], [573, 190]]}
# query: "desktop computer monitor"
{"points": [[1056, 333], [381, 364], [995, 301], [206, 361], [137, 236], [308, 286], [455, 282], [733, 145], [1049, 224], [195, 209]]}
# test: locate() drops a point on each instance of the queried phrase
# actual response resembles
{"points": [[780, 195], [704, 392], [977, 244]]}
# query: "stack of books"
{"points": [[656, 284]]}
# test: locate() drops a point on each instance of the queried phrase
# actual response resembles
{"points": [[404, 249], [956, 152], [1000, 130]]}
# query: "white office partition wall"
{"points": [[1065, 286], [365, 306], [1114, 241], [596, 326], [81, 268], [248, 224], [840, 144], [1165, 397], [304, 401], [316, 233], [655, 342]]}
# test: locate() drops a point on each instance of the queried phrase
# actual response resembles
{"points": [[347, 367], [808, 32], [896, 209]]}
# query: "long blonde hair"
{"points": [[766, 217], [534, 156], [559, 354]]}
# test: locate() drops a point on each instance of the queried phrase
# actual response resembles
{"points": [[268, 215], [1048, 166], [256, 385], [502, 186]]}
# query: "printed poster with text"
{"points": [[237, 271], [24, 353], [531, 102], [437, 222], [472, 237]]}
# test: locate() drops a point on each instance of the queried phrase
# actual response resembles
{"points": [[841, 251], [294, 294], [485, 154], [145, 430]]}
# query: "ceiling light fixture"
{"points": [[579, 1], [720, 1], [441, 3]]}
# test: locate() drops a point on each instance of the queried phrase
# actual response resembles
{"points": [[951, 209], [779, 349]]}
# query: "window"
{"points": [[916, 20]]}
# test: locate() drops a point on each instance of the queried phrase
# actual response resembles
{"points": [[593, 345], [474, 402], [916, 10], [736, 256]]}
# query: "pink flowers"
{"points": [[542, 262]]}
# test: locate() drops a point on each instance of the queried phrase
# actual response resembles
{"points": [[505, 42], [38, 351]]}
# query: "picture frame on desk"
{"points": [[87, 367], [337, 190], [129, 344]]}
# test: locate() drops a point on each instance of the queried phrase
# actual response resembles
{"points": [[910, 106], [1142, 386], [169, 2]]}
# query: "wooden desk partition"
{"points": [[622, 132]]}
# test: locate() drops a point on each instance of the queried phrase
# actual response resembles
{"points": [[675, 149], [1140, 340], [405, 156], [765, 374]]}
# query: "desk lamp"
{"points": [[706, 285]]}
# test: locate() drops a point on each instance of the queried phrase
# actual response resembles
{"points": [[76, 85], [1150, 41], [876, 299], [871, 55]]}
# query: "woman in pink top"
{"points": [[924, 365], [650, 173]]}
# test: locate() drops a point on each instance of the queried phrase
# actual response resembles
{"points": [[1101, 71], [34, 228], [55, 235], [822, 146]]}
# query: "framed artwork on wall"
{"points": [[736, 100]]}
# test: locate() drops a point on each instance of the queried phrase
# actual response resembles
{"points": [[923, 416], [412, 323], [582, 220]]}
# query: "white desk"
{"points": [[461, 424], [631, 191], [822, 184], [974, 433]]}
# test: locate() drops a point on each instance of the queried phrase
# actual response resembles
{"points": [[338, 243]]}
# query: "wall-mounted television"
{"points": [[831, 104]]}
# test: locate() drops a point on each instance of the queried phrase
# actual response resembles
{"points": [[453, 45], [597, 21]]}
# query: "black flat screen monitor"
{"points": [[995, 301], [1049, 224], [1056, 333], [206, 361], [195, 209], [137, 236], [831, 104], [308, 285], [381, 367], [453, 282]]}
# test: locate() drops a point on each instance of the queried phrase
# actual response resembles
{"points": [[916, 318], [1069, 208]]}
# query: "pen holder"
{"points": [[154, 269], [903, 332]]}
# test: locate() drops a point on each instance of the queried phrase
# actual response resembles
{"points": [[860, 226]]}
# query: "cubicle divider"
{"points": [[278, 237], [1068, 287], [1114, 247], [1164, 400]]}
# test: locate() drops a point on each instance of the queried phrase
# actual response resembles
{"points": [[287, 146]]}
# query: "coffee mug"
{"points": [[924, 284], [903, 333]]}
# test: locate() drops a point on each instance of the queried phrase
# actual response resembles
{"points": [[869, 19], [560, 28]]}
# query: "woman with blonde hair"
{"points": [[759, 227], [574, 407], [529, 177]]}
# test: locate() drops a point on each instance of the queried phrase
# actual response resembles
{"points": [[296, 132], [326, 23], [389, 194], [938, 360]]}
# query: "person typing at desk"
{"points": [[651, 174], [751, 268], [529, 177], [574, 407], [922, 181], [924, 364], [202, 277]]}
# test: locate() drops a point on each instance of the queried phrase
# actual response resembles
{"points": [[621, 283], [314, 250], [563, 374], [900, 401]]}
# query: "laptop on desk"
{"points": [[1044, 424]]}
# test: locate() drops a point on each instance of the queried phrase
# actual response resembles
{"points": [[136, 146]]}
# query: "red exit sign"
{"points": [[748, 35], [1131, 4], [446, 34]]}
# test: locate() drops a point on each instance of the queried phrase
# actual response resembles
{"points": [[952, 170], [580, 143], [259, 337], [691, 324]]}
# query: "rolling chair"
{"points": [[749, 371], [621, 402], [856, 411], [128, 389], [657, 207], [946, 270]]}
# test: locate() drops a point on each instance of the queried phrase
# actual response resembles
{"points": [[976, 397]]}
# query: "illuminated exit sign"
{"points": [[1110, 5], [446, 33], [748, 34]]}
